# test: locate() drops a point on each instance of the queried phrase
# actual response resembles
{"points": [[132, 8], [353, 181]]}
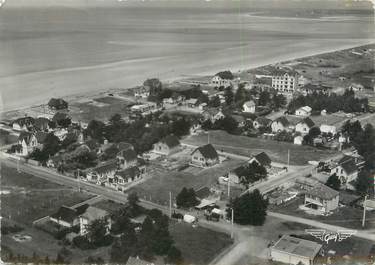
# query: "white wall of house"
{"points": [[322, 204], [284, 83], [288, 258], [302, 128]]}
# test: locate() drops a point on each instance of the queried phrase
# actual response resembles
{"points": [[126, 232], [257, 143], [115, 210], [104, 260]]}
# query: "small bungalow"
{"points": [[205, 156], [127, 158], [281, 124], [304, 111], [322, 198], [168, 145], [293, 250], [304, 126], [57, 104], [240, 120], [261, 159], [124, 177], [249, 107], [68, 216], [23, 124], [328, 129], [356, 87], [235, 176], [261, 122], [142, 92], [213, 115]]}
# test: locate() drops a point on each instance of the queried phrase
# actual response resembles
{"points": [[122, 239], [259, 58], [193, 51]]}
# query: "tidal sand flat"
{"points": [[63, 51]]}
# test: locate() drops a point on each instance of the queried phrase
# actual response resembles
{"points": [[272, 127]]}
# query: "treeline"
{"points": [[141, 133], [331, 103], [363, 139]]}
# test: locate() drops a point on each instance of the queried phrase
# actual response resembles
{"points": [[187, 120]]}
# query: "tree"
{"points": [[97, 231], [174, 256], [124, 247], [334, 182], [214, 102], [133, 199], [278, 101], [314, 132], [264, 98], [249, 209], [180, 127], [51, 145], [228, 124], [186, 198], [364, 181], [229, 96], [226, 75], [154, 84], [121, 222], [95, 129]]}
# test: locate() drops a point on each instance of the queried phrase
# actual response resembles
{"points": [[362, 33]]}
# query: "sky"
{"points": [[250, 3]]}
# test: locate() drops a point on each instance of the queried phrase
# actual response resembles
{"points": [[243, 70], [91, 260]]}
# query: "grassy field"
{"points": [[87, 111], [198, 245], [109, 206], [26, 198], [247, 146], [158, 187], [6, 138]]}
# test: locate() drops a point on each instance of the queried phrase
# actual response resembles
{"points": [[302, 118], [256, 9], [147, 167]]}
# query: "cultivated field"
{"points": [[247, 146]]}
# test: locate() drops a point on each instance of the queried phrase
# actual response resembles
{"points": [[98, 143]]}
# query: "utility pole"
{"points": [[170, 204], [232, 221], [364, 212], [228, 187], [78, 179], [288, 158]]}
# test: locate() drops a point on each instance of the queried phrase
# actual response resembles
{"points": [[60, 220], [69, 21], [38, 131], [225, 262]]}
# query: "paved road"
{"points": [[364, 234]]}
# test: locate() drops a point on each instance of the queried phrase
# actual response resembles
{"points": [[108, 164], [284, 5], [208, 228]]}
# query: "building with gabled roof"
{"points": [[304, 111], [23, 124], [346, 171], [304, 126], [262, 159], [285, 80], [124, 177], [293, 250], [322, 198], [68, 216], [249, 107], [281, 124], [204, 156], [261, 122], [168, 145], [102, 172], [28, 141]]}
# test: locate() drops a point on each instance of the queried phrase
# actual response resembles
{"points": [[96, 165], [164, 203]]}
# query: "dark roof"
{"points": [[283, 71], [25, 136], [202, 193], [345, 158], [171, 141], [239, 171], [41, 137], [57, 103], [124, 146], [60, 116], [130, 172], [208, 151], [263, 159], [225, 75], [128, 155], [349, 166], [66, 214], [92, 144], [322, 191], [348, 198], [263, 121], [24, 121], [308, 122], [283, 120], [106, 167], [41, 123]]}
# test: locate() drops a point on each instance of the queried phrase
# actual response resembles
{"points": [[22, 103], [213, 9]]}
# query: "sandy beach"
{"points": [[99, 51]]}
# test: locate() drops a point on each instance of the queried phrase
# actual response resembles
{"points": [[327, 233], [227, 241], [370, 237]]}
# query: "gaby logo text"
{"points": [[327, 236]]}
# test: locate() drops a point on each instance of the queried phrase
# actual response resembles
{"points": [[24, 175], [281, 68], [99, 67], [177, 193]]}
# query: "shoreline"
{"points": [[235, 68]]}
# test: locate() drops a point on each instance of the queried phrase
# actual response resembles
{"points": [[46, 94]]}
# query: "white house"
{"points": [[28, 141], [322, 198], [285, 80], [346, 171], [249, 107], [324, 128], [304, 111], [293, 250], [304, 126], [166, 146], [23, 124], [356, 87], [281, 124], [261, 122], [220, 80]]}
